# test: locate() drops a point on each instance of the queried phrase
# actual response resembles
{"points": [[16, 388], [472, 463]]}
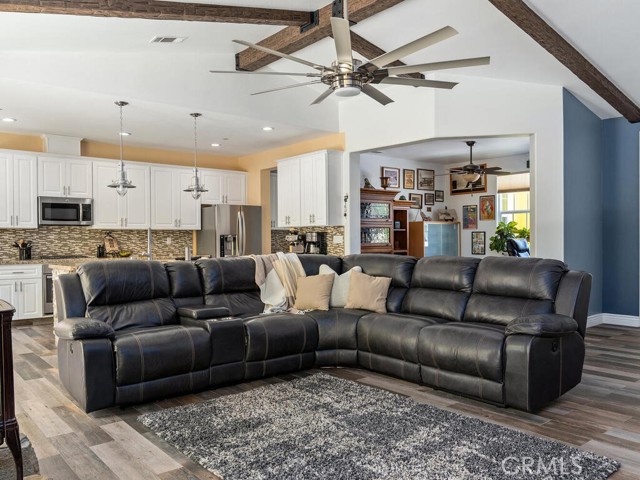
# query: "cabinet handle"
{"points": [[20, 286], [11, 220], [15, 286], [64, 191], [126, 222], [17, 223]]}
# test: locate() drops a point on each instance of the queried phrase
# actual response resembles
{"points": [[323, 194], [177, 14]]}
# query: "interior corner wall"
{"points": [[583, 194], [621, 245]]}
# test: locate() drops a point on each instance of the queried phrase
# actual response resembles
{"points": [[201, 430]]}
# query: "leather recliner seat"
{"points": [[504, 330]]}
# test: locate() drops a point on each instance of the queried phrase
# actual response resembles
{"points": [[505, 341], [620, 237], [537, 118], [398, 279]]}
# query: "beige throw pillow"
{"points": [[314, 292], [340, 290], [368, 293]]}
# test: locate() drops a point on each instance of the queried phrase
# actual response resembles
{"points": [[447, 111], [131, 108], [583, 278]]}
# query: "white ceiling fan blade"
{"points": [[342, 38], [412, 47], [289, 74], [324, 95], [304, 84], [376, 94], [282, 55], [429, 67], [418, 82]]}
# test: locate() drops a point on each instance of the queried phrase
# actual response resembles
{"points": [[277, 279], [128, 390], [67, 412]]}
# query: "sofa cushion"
{"points": [[368, 293], [341, 283], [398, 267], [146, 354], [440, 287], [184, 283], [311, 263], [337, 327], [392, 335], [314, 292], [469, 348], [279, 335]]}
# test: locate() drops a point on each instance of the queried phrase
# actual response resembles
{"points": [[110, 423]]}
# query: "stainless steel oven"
{"points": [[47, 291], [65, 211]]}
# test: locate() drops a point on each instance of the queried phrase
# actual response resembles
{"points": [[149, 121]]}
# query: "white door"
{"points": [[6, 191], [235, 188], [9, 293], [163, 196], [78, 175], [188, 208], [135, 205], [213, 183], [25, 195], [51, 177], [30, 298], [106, 211]]}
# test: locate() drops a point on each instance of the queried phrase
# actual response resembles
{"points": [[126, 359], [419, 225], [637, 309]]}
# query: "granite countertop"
{"points": [[71, 264]]}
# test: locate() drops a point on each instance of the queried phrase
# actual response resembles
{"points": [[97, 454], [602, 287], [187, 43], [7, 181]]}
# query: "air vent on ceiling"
{"points": [[168, 39]]}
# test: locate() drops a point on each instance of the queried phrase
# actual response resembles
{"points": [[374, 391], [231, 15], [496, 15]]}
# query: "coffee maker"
{"points": [[315, 242]]}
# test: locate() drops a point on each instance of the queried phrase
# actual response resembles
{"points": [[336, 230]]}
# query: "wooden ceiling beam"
{"points": [[291, 39], [162, 10], [534, 26]]}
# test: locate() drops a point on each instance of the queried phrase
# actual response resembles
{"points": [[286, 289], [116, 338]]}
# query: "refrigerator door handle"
{"points": [[242, 238], [216, 232]]}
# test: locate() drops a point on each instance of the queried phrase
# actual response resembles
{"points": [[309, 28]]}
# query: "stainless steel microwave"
{"points": [[65, 211]]}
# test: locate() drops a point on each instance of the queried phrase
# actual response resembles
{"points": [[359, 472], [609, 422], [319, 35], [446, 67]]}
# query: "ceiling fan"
{"points": [[348, 77], [471, 172]]}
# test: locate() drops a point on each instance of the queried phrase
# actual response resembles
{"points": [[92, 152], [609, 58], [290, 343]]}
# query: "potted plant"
{"points": [[525, 233], [504, 231]]}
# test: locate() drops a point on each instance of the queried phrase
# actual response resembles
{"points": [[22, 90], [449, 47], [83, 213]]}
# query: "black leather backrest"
{"points": [[185, 283], [230, 282], [69, 296], [127, 293], [441, 287], [311, 263], [509, 287], [398, 267]]}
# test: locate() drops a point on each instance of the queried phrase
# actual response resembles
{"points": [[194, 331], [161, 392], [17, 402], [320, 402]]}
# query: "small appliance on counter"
{"points": [[24, 249], [316, 242], [296, 242]]}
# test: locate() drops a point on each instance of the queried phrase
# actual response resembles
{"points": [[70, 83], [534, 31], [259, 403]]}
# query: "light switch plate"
{"points": [[338, 239]]}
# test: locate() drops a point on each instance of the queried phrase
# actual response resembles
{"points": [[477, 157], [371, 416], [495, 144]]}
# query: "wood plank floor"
{"points": [[602, 414]]}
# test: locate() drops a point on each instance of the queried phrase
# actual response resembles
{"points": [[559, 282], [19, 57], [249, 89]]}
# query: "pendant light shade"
{"points": [[196, 188], [121, 184]]}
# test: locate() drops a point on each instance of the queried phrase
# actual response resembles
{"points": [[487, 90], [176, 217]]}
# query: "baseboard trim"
{"points": [[613, 319]]}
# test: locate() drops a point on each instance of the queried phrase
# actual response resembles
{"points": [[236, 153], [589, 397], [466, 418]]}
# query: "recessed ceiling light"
{"points": [[9, 120], [267, 129], [215, 144], [125, 134]]}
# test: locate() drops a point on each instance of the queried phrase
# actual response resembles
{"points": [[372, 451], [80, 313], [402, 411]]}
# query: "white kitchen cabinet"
{"points": [[21, 286], [273, 198], [18, 191], [171, 207], [110, 210], [64, 177], [310, 191], [224, 187]]}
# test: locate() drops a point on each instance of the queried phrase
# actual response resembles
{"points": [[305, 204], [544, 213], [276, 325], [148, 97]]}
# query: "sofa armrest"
{"points": [[79, 328], [542, 325], [203, 312]]}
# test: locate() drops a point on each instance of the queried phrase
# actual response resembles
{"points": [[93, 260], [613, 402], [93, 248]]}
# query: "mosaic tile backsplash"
{"points": [[279, 244], [52, 240]]}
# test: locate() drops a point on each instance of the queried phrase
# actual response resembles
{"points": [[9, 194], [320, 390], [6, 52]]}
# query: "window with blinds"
{"points": [[513, 199]]}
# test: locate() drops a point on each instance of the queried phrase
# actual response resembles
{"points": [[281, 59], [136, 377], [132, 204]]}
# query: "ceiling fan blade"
{"points": [[282, 55], [429, 67], [289, 74], [324, 95], [304, 84], [488, 169], [412, 47], [376, 94], [496, 173], [417, 82], [342, 38]]}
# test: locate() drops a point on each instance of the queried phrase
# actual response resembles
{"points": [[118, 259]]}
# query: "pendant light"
{"points": [[196, 188], [122, 185], [471, 176]]}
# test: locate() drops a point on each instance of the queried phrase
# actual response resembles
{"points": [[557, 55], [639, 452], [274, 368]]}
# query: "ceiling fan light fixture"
{"points": [[349, 91], [471, 177]]}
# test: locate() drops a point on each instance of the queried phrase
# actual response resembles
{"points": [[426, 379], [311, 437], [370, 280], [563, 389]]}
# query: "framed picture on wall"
{"points": [[393, 174], [429, 199], [469, 216], [478, 243], [439, 195], [460, 186], [416, 198], [426, 179], [488, 207], [408, 179]]}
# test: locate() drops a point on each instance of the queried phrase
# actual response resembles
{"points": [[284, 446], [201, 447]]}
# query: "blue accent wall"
{"points": [[583, 195], [621, 245]]}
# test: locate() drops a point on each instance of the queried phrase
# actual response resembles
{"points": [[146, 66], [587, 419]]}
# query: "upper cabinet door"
{"points": [[52, 177], [235, 188], [136, 203], [188, 208], [6, 191], [25, 185], [320, 189], [106, 211], [289, 193], [307, 198], [79, 178], [163, 215], [213, 183]]}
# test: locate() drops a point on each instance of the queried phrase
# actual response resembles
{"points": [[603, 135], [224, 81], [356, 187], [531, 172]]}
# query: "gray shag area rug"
{"points": [[325, 427]]}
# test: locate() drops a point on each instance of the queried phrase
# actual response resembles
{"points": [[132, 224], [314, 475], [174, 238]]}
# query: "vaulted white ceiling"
{"points": [[61, 74]]}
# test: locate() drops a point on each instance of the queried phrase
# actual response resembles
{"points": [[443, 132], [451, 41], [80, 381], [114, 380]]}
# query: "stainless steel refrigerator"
{"points": [[230, 231]]}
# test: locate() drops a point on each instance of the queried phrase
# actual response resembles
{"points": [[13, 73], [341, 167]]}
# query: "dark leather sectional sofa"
{"points": [[505, 330]]}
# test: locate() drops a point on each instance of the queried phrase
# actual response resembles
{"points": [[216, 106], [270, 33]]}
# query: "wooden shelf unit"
{"points": [[376, 220], [401, 209]]}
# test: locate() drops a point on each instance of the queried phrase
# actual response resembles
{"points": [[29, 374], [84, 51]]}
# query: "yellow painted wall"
{"points": [[13, 141]]}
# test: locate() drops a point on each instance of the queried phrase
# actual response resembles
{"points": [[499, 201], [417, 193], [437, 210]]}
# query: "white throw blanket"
{"points": [[276, 275]]}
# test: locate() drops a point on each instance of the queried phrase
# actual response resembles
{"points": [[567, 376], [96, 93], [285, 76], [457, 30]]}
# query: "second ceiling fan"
{"points": [[347, 77]]}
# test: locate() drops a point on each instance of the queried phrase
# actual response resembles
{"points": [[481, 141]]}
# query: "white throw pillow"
{"points": [[340, 289]]}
